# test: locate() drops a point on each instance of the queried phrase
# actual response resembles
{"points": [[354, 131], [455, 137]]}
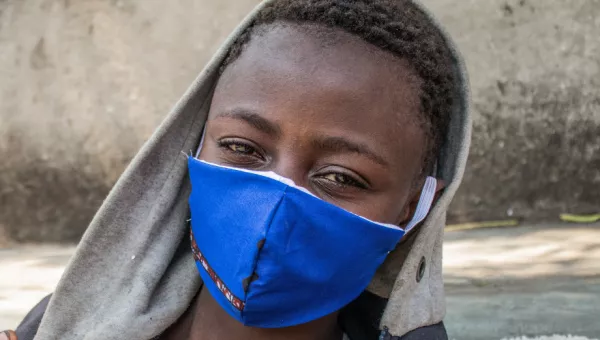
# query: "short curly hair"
{"points": [[397, 26]]}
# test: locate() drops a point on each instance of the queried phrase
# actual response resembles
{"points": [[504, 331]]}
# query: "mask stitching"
{"points": [[236, 302]]}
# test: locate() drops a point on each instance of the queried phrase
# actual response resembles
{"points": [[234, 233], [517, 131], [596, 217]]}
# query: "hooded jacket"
{"points": [[133, 274]]}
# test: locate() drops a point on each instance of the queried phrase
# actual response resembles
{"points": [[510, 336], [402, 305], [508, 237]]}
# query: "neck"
{"points": [[206, 320]]}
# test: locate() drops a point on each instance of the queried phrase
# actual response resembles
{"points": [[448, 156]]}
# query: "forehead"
{"points": [[329, 57], [321, 78]]}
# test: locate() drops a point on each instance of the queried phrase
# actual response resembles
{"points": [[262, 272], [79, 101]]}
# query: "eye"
{"points": [[340, 181], [240, 150]]}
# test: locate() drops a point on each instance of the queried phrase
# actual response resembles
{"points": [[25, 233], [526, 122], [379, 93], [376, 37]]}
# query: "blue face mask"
{"points": [[274, 255]]}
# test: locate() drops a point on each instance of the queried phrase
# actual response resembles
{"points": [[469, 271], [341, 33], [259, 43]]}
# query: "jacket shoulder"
{"points": [[434, 332], [30, 324]]}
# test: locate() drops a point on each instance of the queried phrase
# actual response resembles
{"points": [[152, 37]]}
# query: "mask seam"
{"points": [[258, 253]]}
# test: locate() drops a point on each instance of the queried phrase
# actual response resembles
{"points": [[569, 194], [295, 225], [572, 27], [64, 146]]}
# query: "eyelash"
{"points": [[228, 145], [348, 182]]}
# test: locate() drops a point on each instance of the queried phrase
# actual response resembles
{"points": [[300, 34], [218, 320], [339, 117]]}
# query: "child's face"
{"points": [[338, 117]]}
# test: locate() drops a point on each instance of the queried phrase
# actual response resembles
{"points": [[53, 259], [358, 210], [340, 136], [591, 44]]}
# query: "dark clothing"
{"points": [[30, 324], [352, 321], [360, 321]]}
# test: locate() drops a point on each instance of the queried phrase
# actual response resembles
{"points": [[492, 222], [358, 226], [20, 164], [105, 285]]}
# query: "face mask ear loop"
{"points": [[201, 142], [425, 203]]}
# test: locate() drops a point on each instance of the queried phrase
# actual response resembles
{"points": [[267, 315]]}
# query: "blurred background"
{"points": [[84, 83]]}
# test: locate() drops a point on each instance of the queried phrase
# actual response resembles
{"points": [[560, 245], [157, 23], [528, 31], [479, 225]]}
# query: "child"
{"points": [[326, 132]]}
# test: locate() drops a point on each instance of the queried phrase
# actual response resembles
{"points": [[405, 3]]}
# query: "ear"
{"points": [[411, 207]]}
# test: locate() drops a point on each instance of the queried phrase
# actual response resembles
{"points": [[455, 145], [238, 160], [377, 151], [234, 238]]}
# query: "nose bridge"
{"points": [[292, 167], [293, 161]]}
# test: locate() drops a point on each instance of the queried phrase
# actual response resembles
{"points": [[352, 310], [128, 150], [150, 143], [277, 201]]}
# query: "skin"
{"points": [[333, 113]]}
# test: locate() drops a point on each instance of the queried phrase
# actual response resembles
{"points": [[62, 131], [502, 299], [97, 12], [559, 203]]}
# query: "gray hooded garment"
{"points": [[133, 274]]}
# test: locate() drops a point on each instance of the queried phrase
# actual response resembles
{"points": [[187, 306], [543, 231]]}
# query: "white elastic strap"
{"points": [[424, 205], [201, 142]]}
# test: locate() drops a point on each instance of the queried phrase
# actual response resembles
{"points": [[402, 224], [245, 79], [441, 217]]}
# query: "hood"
{"points": [[133, 274]]}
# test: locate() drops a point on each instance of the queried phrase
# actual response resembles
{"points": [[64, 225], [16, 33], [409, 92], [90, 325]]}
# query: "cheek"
{"points": [[384, 207], [209, 151]]}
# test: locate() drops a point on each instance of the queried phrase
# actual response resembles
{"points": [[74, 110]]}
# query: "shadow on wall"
{"points": [[44, 201], [534, 154]]}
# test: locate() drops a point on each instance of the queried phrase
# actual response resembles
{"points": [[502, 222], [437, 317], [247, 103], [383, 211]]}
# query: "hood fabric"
{"points": [[133, 273]]}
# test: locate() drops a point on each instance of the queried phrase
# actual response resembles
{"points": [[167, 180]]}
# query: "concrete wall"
{"points": [[535, 76], [84, 83]]}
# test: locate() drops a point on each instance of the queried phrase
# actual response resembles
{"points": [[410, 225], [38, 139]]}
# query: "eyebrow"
{"points": [[340, 144], [329, 144], [253, 119]]}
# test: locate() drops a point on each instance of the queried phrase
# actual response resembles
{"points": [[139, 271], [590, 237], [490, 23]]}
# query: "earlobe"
{"points": [[409, 211]]}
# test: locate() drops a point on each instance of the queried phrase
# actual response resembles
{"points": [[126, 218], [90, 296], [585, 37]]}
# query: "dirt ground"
{"points": [[523, 281], [501, 283]]}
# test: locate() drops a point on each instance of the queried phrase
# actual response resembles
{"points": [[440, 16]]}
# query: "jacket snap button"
{"points": [[421, 270]]}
